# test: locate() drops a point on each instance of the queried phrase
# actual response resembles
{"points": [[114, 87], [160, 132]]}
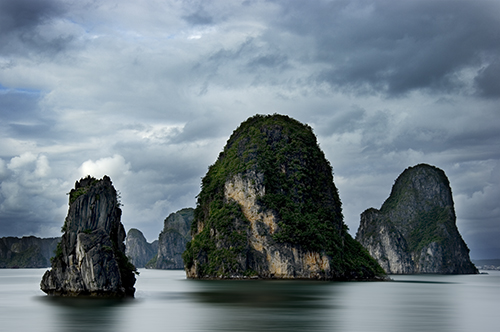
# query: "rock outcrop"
{"points": [[90, 259], [415, 230], [268, 208], [172, 241], [27, 252], [138, 250]]}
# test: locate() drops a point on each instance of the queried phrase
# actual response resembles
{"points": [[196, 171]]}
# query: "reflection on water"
{"points": [[264, 294], [267, 305], [166, 301], [86, 314]]}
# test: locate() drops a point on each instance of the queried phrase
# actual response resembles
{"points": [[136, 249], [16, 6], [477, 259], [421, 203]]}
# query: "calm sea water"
{"points": [[166, 301]]}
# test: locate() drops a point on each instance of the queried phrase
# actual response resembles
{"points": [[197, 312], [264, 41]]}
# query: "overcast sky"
{"points": [[148, 92]]}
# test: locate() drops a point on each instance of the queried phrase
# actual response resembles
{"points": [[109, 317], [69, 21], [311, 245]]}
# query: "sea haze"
{"points": [[166, 300]]}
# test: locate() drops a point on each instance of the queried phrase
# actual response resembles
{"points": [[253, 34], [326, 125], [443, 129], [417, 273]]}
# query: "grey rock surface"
{"points": [[172, 240], [90, 259], [138, 250], [415, 230]]}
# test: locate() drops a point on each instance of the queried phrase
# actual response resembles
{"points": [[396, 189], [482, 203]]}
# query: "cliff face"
{"points": [[90, 259], [138, 250], [26, 252], [415, 230], [172, 240], [268, 208]]}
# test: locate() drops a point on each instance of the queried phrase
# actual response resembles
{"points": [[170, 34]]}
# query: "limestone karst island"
{"points": [[269, 208], [90, 259], [415, 230]]}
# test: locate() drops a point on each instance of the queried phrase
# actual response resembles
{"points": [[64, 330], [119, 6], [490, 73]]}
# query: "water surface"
{"points": [[167, 301]]}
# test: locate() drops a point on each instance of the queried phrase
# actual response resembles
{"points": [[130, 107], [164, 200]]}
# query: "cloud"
{"points": [[478, 210], [31, 199], [396, 48], [199, 17], [487, 80], [33, 27], [26, 15], [115, 167], [121, 88]]}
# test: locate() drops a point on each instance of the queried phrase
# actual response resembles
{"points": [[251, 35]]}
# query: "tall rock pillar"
{"points": [[90, 259]]}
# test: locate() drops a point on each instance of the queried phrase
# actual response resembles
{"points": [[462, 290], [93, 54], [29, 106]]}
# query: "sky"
{"points": [[149, 92]]}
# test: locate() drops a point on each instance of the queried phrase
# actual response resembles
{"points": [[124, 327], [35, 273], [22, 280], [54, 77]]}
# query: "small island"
{"points": [[90, 258], [172, 241]]}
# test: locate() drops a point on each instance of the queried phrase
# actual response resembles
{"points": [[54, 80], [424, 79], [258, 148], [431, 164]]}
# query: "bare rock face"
{"points": [[138, 250], [269, 258], [172, 241], [90, 259], [268, 208], [415, 230]]}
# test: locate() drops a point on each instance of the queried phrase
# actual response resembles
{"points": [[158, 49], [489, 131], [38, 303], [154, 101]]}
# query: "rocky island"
{"points": [[269, 208], [138, 250], [415, 230], [90, 259], [172, 241]]}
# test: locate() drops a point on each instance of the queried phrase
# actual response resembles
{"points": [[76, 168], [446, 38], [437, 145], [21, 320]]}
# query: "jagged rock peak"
{"points": [[90, 259], [415, 230], [172, 241], [269, 208], [138, 250]]}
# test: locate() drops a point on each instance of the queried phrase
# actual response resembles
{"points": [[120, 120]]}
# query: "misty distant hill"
{"points": [[27, 252], [487, 264]]}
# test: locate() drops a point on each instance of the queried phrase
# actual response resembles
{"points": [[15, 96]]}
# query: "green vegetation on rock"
{"points": [[81, 188], [221, 260]]}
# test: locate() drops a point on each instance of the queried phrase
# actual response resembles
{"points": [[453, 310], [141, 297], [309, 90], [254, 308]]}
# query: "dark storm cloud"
{"points": [[398, 47], [26, 15], [23, 223], [488, 80], [21, 24], [199, 17]]}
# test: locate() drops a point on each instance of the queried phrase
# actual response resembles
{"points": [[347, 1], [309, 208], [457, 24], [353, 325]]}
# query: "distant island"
{"points": [[166, 252], [172, 241], [27, 252], [487, 264], [415, 230], [137, 249]]}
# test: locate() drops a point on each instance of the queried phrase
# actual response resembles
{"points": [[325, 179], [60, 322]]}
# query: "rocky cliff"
{"points": [[90, 259], [415, 230], [26, 252], [269, 208], [172, 240], [138, 250]]}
